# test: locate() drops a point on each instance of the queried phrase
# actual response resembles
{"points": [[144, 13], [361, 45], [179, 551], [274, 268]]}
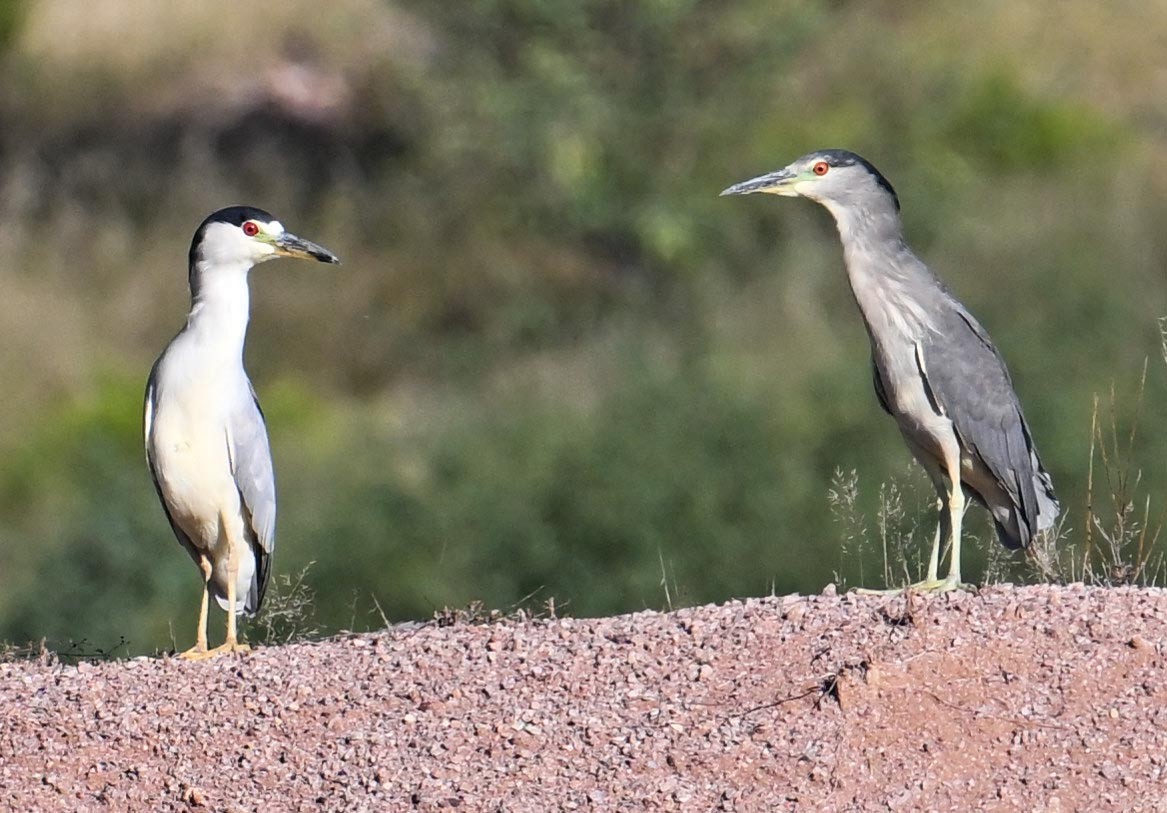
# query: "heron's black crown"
{"points": [[846, 158], [234, 215]]}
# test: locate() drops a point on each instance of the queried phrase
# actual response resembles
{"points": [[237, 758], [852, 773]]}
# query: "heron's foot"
{"points": [[196, 654], [927, 586], [231, 647]]}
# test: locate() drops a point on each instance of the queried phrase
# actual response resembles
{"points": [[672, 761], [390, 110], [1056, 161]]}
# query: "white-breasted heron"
{"points": [[206, 442], [936, 370]]}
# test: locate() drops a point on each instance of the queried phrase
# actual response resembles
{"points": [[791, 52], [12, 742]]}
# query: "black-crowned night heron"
{"points": [[206, 443], [936, 370]]}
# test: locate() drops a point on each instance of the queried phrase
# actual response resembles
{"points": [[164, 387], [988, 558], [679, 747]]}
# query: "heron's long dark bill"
{"points": [[776, 183], [289, 245]]}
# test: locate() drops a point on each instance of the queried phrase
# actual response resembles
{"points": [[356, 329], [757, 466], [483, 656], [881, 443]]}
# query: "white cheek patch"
{"points": [[226, 245]]}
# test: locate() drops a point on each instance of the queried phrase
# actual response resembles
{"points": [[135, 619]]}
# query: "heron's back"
{"points": [[938, 372]]}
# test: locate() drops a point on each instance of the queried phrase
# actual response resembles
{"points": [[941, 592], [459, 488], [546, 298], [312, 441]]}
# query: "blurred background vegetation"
{"points": [[554, 364]]}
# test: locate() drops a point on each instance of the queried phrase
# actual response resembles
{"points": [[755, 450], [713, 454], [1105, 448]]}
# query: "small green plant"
{"points": [[289, 613], [32, 651], [897, 534], [896, 528], [48, 652], [843, 498], [664, 581], [1119, 543], [475, 612], [1120, 540]]}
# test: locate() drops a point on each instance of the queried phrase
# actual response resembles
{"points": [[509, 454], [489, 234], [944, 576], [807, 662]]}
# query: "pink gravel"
{"points": [[1035, 698]]}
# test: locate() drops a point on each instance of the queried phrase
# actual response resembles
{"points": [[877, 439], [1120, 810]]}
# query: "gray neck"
{"points": [[219, 310], [889, 282]]}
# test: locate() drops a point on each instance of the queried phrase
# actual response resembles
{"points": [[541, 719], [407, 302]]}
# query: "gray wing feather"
{"points": [[969, 380], [255, 479], [880, 389]]}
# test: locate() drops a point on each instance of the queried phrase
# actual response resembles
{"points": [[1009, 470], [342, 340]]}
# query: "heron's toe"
{"points": [[926, 586], [939, 585], [196, 654], [231, 647]]}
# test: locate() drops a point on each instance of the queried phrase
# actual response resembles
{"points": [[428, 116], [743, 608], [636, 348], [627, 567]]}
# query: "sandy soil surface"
{"points": [[1035, 699]]}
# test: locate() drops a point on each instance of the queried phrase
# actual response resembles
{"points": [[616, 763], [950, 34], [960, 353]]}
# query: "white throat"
{"points": [[220, 307], [882, 269]]}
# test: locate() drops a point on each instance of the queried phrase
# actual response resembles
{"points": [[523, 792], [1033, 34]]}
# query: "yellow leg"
{"points": [[955, 508], [232, 643], [955, 519], [200, 647], [934, 558]]}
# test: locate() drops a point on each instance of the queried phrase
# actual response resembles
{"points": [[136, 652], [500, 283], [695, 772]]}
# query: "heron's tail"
{"points": [[244, 604], [248, 596], [1016, 526], [1012, 538], [1021, 532], [1048, 507]]}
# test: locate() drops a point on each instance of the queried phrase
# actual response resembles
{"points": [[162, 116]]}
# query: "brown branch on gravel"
{"points": [[822, 687], [827, 686], [999, 717], [84, 650], [816, 689]]}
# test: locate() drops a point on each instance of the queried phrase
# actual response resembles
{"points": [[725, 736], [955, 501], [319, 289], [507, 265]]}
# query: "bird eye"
{"points": [[820, 168], [251, 228]]}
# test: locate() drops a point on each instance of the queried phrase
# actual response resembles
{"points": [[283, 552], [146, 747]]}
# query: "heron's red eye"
{"points": [[251, 228], [820, 168]]}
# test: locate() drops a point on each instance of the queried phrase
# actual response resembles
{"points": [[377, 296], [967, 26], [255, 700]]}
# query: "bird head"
{"points": [[834, 178], [244, 236]]}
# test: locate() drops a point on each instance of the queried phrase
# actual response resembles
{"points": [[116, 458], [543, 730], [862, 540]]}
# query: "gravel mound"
{"points": [[1036, 698]]}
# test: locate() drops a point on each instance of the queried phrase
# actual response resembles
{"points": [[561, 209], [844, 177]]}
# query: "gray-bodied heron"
{"points": [[206, 442], [936, 370]]}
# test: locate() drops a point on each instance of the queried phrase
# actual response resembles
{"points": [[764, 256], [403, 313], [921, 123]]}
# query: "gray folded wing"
{"points": [[255, 479], [968, 380]]}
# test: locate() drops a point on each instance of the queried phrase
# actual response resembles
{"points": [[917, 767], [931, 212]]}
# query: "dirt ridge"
{"points": [[1034, 698]]}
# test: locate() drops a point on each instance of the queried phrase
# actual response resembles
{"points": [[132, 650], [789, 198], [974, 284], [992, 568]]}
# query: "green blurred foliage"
{"points": [[1004, 129], [11, 16], [554, 363], [72, 499], [669, 472]]}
